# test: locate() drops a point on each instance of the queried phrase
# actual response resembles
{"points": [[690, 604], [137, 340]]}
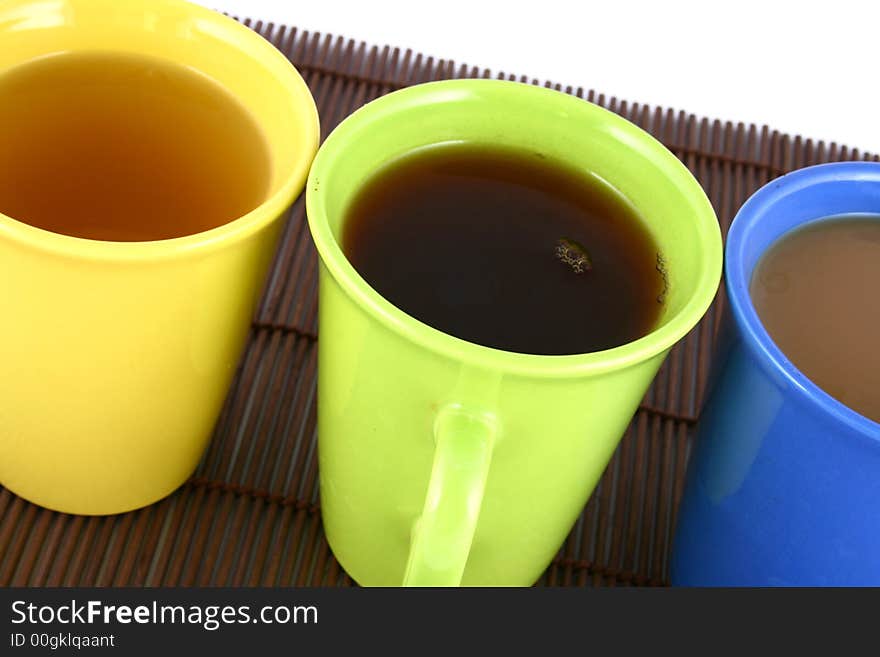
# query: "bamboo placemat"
{"points": [[250, 515]]}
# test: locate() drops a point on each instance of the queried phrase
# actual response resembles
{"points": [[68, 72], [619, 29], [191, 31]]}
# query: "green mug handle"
{"points": [[443, 534]]}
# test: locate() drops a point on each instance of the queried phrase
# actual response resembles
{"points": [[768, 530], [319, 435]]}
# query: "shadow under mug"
{"points": [[115, 358], [443, 462], [783, 486]]}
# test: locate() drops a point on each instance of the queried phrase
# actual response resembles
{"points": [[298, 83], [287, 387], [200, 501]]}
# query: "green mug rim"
{"points": [[658, 341]]}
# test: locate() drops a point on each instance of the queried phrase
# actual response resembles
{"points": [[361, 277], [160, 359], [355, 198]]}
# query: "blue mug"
{"points": [[783, 485]]}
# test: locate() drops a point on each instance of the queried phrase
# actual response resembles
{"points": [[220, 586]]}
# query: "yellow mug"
{"points": [[115, 358]]}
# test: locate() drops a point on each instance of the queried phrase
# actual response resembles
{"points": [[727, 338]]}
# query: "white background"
{"points": [[809, 68]]}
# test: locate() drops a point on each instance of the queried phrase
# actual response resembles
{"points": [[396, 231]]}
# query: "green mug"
{"points": [[446, 463]]}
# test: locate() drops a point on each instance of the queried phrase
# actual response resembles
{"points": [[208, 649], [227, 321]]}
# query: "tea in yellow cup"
{"points": [[127, 293]]}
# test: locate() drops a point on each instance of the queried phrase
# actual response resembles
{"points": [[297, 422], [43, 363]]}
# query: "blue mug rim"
{"points": [[737, 280]]}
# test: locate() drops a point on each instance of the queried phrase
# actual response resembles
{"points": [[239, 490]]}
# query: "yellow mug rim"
{"points": [[239, 228]]}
